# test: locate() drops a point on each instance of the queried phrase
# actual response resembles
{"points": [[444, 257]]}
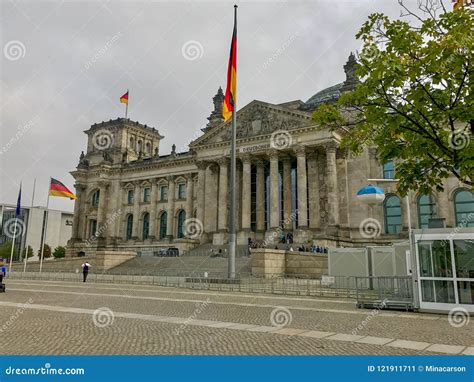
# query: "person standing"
{"points": [[85, 271]]}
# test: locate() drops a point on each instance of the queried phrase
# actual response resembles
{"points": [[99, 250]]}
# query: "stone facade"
{"points": [[292, 176]]}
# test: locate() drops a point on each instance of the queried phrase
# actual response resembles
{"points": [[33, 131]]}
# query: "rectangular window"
{"points": [[181, 191], [389, 170], [130, 197], [93, 229], [146, 194], [164, 193]]}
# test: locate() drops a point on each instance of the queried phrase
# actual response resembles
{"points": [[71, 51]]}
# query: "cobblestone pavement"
{"points": [[52, 317]]}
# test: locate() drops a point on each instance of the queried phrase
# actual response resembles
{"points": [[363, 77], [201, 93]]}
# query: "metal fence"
{"points": [[385, 292], [341, 286]]}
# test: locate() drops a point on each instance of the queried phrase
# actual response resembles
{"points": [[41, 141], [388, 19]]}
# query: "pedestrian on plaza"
{"points": [[3, 273], [85, 271]]}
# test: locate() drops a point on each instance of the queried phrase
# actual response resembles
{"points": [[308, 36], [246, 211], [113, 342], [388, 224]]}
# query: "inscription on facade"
{"points": [[249, 149]]}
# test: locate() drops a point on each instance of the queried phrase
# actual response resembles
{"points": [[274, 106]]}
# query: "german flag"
{"points": [[124, 98], [230, 91], [56, 188]]}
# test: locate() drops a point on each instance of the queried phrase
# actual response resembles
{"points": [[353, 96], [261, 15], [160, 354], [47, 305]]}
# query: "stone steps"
{"points": [[181, 266]]}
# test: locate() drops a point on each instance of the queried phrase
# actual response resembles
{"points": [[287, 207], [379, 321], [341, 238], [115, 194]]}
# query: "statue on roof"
{"points": [[216, 117]]}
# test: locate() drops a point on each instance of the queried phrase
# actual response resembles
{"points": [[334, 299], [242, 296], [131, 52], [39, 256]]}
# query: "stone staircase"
{"points": [[205, 250], [189, 266]]}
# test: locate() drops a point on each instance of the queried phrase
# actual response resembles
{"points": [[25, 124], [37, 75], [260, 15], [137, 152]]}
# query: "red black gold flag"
{"points": [[124, 98], [230, 92], [56, 188]]}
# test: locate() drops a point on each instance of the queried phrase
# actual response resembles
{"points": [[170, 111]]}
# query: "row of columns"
{"points": [[302, 184]]}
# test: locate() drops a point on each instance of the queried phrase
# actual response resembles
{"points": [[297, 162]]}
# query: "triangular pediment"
{"points": [[256, 118]]}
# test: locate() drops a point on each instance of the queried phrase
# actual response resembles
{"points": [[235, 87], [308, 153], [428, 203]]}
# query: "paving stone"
{"points": [[290, 331], [263, 329], [448, 349], [468, 351], [344, 337], [415, 345], [316, 334], [374, 340]]}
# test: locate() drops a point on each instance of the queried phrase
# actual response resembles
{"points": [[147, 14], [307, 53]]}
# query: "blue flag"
{"points": [[18, 204]]}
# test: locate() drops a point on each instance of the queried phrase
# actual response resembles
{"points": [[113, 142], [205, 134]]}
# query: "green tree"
{"points": [[415, 98], [5, 250], [27, 251], [59, 252], [46, 252]]}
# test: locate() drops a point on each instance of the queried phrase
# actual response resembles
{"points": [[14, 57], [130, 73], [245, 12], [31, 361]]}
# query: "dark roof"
{"points": [[328, 95]]}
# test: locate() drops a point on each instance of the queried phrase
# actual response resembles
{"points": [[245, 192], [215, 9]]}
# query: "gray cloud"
{"points": [[80, 56]]}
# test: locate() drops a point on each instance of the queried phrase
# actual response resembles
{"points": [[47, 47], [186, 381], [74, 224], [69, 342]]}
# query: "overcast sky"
{"points": [[66, 63]]}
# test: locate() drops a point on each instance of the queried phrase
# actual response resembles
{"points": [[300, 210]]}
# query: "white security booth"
{"points": [[444, 261]]}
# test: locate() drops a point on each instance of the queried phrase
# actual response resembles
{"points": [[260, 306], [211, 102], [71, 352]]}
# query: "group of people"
{"points": [[310, 248]]}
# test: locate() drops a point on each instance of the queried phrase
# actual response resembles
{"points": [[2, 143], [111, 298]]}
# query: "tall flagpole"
{"points": [[17, 212], [13, 245], [126, 105], [29, 223], [232, 237], [45, 227]]}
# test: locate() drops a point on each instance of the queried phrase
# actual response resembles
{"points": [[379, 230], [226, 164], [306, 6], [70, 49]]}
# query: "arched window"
{"points": [[393, 214], [95, 198], [146, 226], [129, 228], [426, 210], [148, 148], [132, 143], [163, 223], [139, 146], [389, 170], [464, 208], [181, 219]]}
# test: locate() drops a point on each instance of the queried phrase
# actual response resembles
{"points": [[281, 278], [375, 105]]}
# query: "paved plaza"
{"points": [[51, 317]]}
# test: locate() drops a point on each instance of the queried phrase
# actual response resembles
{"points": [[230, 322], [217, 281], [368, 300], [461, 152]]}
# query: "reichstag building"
{"points": [[292, 177]]}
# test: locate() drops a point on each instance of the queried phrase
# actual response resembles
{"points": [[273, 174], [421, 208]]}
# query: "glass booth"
{"points": [[445, 269]]}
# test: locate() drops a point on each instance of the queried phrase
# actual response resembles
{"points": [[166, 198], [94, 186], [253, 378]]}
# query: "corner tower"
{"points": [[120, 141]]}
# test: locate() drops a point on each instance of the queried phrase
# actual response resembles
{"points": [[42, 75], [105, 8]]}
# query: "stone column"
{"points": [[374, 167], [170, 210], [313, 190], [246, 192], [287, 193], [238, 196], [102, 210], [331, 183], [136, 210], [189, 196], [153, 197], [77, 211], [201, 190], [302, 185], [274, 190], [223, 193], [445, 208], [260, 197]]}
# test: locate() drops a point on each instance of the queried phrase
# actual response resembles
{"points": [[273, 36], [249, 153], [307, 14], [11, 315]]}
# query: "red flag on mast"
{"points": [[230, 91]]}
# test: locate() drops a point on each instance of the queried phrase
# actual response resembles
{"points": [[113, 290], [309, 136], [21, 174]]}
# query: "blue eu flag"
{"points": [[18, 204]]}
